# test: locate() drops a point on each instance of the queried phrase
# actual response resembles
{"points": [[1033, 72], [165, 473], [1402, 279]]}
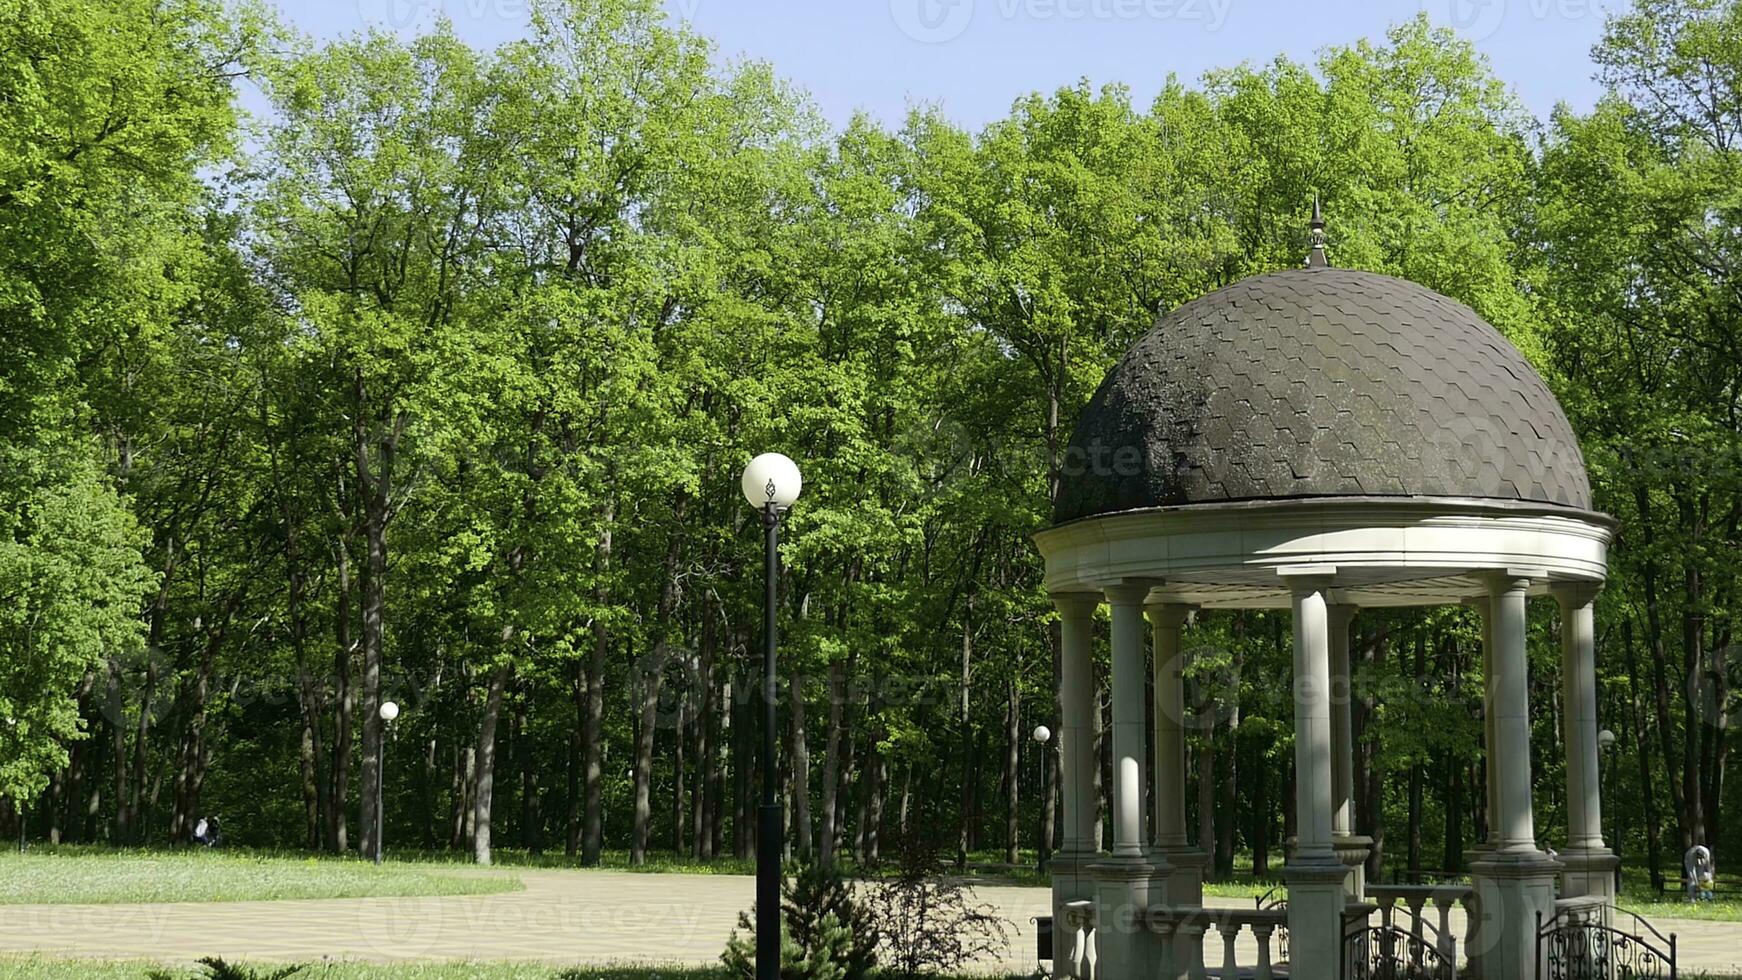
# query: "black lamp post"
{"points": [[388, 712], [1042, 740], [771, 484]]}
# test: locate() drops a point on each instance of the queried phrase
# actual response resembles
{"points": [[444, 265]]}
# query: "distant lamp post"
{"points": [[1605, 742], [771, 484], [389, 711], [1042, 737]]}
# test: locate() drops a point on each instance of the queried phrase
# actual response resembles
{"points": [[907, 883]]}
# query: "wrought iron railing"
{"points": [[1386, 952], [1276, 899], [1576, 944]]}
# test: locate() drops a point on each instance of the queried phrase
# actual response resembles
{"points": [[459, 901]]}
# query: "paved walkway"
{"points": [[562, 917]]}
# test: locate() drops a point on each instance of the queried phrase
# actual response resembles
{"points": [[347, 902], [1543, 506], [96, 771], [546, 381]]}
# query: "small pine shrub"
{"points": [[825, 934]]}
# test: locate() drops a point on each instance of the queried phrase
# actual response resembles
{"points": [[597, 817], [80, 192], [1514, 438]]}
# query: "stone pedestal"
{"points": [[1072, 881], [1589, 872], [1511, 889], [1315, 919], [1124, 946], [1179, 875]]}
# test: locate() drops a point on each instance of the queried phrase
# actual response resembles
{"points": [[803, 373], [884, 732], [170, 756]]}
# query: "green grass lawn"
{"points": [[79, 876]]}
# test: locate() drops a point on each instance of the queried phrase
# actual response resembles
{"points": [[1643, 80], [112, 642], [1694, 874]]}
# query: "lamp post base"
{"points": [[769, 844]]}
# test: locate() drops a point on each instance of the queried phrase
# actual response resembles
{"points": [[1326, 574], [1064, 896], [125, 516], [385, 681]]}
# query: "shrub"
{"points": [[217, 969], [825, 934], [929, 923]]}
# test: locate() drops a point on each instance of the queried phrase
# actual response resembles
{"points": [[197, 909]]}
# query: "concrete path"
{"points": [[562, 917]]}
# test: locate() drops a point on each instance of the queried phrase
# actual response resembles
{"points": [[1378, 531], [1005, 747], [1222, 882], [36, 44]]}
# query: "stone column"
{"points": [[1480, 885], [1122, 881], [1315, 874], [1071, 881], [1490, 770], [1590, 867], [1185, 884], [1517, 880], [1351, 848]]}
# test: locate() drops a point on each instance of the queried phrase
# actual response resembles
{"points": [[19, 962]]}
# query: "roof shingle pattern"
{"points": [[1320, 382]]}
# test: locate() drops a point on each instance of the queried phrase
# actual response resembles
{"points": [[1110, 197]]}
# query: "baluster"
{"points": [[1262, 933], [1092, 970], [1448, 943], [1417, 954], [1468, 900], [1229, 929], [1079, 948]]}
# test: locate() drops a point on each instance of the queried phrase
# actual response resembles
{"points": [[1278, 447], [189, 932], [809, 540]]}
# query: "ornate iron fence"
{"points": [[1572, 946], [1386, 952]]}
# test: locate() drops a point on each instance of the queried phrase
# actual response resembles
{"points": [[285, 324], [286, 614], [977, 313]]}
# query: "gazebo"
{"points": [[1322, 440]]}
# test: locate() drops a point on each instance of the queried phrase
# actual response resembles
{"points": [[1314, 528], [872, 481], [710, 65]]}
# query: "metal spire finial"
{"points": [[1316, 258]]}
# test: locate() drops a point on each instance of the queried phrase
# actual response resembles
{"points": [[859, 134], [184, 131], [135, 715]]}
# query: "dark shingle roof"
{"points": [[1320, 382]]}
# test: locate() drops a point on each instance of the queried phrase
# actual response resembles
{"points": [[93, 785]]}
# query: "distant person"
{"points": [[207, 832], [1699, 871]]}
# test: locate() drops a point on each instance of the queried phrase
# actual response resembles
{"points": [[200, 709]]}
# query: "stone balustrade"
{"points": [[1190, 934], [1423, 933]]}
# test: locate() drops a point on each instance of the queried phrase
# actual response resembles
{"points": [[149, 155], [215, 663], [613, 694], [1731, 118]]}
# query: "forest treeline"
{"points": [[432, 382]]}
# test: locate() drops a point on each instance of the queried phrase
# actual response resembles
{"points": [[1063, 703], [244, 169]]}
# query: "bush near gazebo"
{"points": [[825, 933]]}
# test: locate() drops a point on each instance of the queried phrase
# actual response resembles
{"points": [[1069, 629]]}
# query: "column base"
{"points": [[1590, 871], [1179, 875], [1123, 943], [1071, 882], [1512, 888], [1352, 850], [1315, 917]]}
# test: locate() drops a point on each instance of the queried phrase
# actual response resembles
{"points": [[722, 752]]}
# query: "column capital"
{"points": [[1572, 594], [1075, 603], [1307, 578], [1341, 614], [1129, 591], [1168, 615], [1501, 581]]}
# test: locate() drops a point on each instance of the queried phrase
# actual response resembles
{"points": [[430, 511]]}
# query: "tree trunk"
{"points": [[964, 721], [1013, 772], [1369, 781], [1416, 776], [829, 833], [344, 699], [531, 809], [652, 678], [801, 768], [576, 759], [1642, 751], [1654, 636], [679, 766], [705, 798], [1453, 859], [593, 734], [1693, 674], [484, 792], [118, 749], [1262, 816]]}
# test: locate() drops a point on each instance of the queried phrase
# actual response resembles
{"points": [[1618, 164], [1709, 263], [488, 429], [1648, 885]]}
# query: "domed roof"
{"points": [[1320, 382]]}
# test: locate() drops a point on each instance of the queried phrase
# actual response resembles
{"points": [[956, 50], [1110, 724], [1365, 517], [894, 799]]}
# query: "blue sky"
{"points": [[974, 57]]}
